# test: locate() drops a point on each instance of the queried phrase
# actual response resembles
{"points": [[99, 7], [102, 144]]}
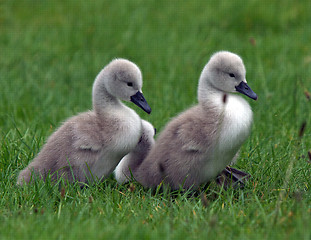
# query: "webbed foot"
{"points": [[232, 176]]}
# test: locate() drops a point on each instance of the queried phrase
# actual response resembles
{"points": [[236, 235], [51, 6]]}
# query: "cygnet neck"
{"points": [[103, 101], [208, 95]]}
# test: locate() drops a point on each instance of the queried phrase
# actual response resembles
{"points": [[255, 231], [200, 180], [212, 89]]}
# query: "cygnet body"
{"points": [[91, 144], [199, 143], [131, 161]]}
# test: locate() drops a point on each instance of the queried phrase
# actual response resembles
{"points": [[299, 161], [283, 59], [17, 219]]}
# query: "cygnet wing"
{"points": [[91, 134]]}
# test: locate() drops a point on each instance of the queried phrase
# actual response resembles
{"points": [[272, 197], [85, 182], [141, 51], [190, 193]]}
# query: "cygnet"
{"points": [[131, 161], [90, 145], [199, 143]]}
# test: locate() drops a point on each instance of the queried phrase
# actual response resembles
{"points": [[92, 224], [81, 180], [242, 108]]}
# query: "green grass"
{"points": [[51, 52]]}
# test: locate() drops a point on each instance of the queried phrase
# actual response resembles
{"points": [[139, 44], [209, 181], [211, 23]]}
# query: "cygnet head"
{"points": [[224, 72], [120, 79]]}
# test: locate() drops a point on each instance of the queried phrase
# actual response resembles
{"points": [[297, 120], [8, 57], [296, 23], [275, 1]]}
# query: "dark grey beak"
{"points": [[141, 102], [246, 90]]}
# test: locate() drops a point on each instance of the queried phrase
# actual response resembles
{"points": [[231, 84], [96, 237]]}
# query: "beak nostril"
{"points": [[141, 102], [246, 90]]}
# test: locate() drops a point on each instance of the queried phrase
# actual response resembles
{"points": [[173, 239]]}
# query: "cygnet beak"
{"points": [[246, 90], [141, 102]]}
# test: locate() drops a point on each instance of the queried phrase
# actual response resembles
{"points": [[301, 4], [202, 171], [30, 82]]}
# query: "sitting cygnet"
{"points": [[91, 144], [131, 161], [198, 144]]}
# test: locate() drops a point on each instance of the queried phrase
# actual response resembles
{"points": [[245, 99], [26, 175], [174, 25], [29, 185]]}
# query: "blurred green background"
{"points": [[50, 54]]}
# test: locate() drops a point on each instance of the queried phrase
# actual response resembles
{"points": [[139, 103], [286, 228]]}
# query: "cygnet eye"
{"points": [[231, 75], [130, 84]]}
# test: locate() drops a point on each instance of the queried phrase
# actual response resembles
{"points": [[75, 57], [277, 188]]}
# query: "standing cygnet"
{"points": [[199, 143], [132, 160], [91, 144]]}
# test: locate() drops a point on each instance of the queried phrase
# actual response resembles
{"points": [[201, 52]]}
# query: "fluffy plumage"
{"points": [[91, 144], [199, 143], [132, 160]]}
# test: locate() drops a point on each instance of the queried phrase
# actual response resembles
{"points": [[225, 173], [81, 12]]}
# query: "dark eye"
{"points": [[130, 84], [231, 75]]}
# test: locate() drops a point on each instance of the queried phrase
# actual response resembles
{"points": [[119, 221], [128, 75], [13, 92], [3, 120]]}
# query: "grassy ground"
{"points": [[51, 52]]}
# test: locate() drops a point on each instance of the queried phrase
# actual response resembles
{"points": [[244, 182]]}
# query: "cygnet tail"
{"points": [[27, 175]]}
